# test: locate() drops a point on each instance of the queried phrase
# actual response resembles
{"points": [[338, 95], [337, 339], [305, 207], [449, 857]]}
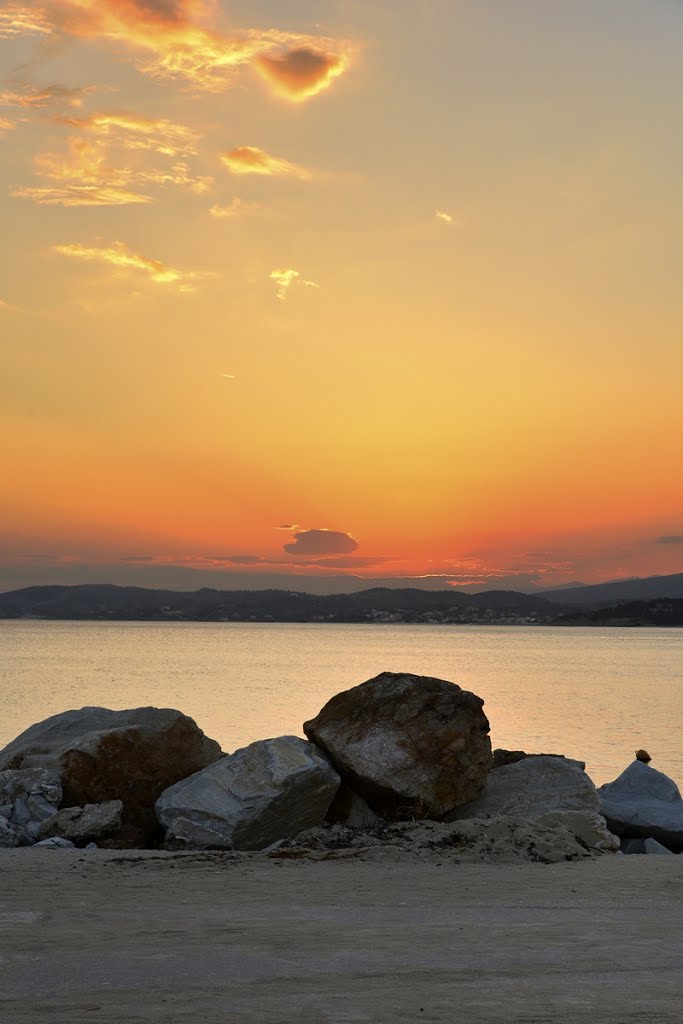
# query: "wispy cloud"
{"points": [[80, 195], [20, 20], [90, 173], [675, 538], [302, 72], [252, 160], [6, 126], [182, 39], [32, 97], [120, 256], [443, 216], [134, 132], [285, 278], [235, 208]]}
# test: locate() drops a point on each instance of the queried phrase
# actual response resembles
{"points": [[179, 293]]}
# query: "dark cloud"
{"points": [[676, 538], [301, 72], [321, 542]]}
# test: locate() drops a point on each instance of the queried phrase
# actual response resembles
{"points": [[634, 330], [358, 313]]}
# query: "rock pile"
{"points": [[399, 766], [100, 755]]}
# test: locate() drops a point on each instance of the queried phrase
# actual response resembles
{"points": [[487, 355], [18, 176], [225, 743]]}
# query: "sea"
{"points": [[593, 694]]}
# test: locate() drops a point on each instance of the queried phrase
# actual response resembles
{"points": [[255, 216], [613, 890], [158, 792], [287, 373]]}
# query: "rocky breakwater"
{"points": [[95, 756]]}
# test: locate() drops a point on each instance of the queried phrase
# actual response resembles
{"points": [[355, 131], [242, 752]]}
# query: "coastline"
{"points": [[140, 937]]}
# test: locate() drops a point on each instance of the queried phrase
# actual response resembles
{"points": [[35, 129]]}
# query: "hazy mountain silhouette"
{"points": [[637, 589]]}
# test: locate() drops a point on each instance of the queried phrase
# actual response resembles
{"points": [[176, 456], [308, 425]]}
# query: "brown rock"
{"points": [[411, 746], [501, 757], [103, 755]]}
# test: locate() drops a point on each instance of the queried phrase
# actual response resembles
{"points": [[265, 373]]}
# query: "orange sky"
{"points": [[400, 277]]}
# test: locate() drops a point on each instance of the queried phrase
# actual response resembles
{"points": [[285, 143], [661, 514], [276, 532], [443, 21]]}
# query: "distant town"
{"points": [[378, 606]]}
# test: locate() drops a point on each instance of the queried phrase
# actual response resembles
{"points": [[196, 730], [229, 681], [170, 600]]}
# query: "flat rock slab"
{"points": [[411, 746], [169, 939]]}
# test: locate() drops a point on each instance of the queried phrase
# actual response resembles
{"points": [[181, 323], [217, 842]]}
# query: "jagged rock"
{"points": [[11, 836], [80, 824], [264, 792], [644, 803], [56, 843], [28, 797], [102, 755], [533, 787], [653, 847], [411, 746], [502, 757], [348, 808]]}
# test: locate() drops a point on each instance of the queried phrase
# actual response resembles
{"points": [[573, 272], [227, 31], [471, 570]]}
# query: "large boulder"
{"points": [[533, 787], [261, 794], [411, 746], [102, 755], [28, 797], [82, 824], [644, 803]]}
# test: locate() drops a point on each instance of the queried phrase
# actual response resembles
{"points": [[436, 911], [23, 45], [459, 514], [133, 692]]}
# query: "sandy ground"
{"points": [[97, 937]]}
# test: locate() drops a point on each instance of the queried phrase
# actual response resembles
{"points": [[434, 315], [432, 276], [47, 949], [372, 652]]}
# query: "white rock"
{"points": [[643, 802], [56, 843], [267, 791], [533, 787], [652, 846], [28, 796]]}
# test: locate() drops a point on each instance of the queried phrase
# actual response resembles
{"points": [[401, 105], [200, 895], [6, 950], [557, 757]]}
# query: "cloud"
{"points": [[134, 132], [32, 97], [301, 73], [235, 208], [321, 542], [671, 539], [285, 278], [177, 39], [18, 20], [443, 216], [88, 174], [252, 160], [6, 126], [80, 195], [7, 307], [119, 255]]}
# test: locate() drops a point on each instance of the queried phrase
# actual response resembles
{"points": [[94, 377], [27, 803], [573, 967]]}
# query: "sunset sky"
{"points": [[387, 289]]}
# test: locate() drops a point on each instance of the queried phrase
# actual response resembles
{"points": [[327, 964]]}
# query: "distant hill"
{"points": [[105, 601], [660, 612], [646, 589]]}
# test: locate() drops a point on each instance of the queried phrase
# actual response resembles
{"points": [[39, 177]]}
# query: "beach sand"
{"points": [[105, 937]]}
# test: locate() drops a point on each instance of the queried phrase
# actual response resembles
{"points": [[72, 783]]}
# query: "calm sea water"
{"points": [[594, 694]]}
